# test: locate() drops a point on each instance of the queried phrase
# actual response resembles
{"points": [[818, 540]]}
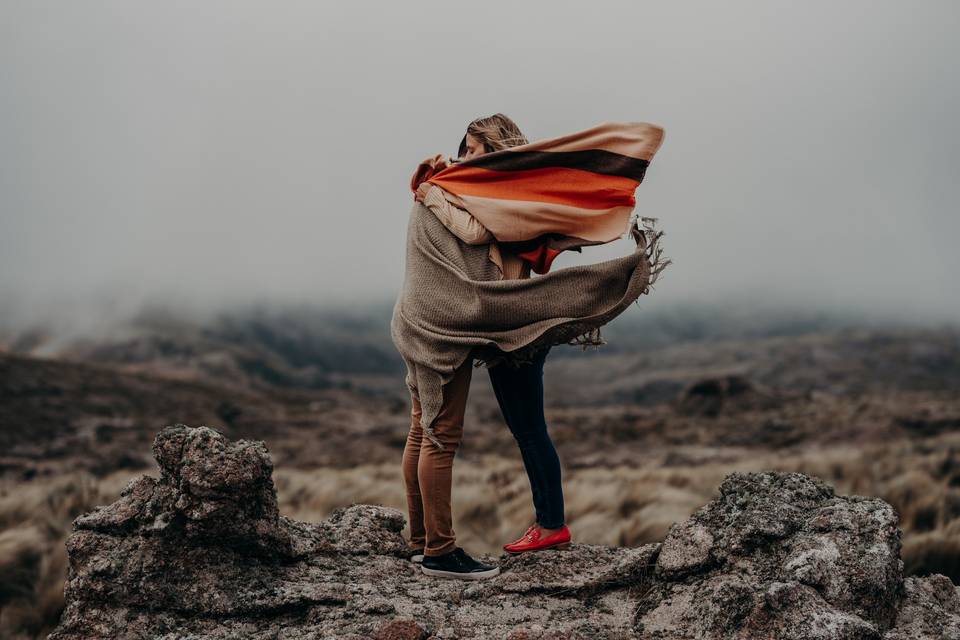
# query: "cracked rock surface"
{"points": [[202, 552]]}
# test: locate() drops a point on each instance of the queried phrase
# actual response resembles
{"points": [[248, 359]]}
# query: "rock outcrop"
{"points": [[202, 552]]}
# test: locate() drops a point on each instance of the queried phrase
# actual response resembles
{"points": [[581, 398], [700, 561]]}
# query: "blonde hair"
{"points": [[495, 132]]}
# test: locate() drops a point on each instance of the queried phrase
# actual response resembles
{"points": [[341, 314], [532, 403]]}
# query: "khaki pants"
{"points": [[428, 471]]}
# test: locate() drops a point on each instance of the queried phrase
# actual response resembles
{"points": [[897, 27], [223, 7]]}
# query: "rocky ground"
{"points": [[202, 552]]}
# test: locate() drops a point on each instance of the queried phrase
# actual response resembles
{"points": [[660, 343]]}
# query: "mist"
{"points": [[207, 155]]}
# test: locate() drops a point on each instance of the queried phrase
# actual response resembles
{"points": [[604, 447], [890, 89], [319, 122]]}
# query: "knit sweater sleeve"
{"points": [[457, 220]]}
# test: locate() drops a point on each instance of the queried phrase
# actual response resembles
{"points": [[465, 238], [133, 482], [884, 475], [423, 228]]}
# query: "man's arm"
{"points": [[457, 220]]}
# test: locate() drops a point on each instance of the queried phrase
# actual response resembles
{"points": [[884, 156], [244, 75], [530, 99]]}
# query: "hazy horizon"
{"points": [[213, 154]]}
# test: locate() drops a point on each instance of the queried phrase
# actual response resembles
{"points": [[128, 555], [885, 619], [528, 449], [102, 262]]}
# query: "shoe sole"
{"points": [[477, 575], [562, 545], [417, 558]]}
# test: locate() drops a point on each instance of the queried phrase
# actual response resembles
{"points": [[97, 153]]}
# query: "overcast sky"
{"points": [[217, 152]]}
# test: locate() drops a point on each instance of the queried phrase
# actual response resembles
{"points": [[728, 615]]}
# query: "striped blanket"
{"points": [[545, 197], [552, 195]]}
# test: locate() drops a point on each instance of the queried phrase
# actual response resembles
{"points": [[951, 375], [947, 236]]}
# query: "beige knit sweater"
{"points": [[467, 228]]}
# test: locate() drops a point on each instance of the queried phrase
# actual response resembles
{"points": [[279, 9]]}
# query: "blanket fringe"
{"points": [[631, 224], [591, 338], [647, 233], [431, 435]]}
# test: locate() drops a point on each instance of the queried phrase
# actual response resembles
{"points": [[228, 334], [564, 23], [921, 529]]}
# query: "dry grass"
{"points": [[630, 506], [35, 519]]}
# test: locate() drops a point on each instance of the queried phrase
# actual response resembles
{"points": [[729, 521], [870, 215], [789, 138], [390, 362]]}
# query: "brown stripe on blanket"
{"points": [[594, 160]]}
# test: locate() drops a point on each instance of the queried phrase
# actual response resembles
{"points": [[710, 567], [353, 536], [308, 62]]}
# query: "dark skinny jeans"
{"points": [[519, 392]]}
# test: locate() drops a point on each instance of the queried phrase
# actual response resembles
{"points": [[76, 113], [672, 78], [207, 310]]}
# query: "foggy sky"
{"points": [[216, 152]]}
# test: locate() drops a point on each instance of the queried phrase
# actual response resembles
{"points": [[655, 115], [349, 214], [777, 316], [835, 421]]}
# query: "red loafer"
{"points": [[533, 540], [523, 537]]}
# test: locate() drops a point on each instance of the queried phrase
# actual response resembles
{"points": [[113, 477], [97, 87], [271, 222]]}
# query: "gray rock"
{"points": [[686, 549], [788, 559], [930, 609], [202, 552]]}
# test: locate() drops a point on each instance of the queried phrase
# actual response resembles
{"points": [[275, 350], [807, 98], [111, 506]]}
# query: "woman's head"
{"points": [[493, 133]]}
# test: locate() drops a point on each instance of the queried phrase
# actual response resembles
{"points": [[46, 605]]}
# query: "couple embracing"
{"points": [[481, 224]]}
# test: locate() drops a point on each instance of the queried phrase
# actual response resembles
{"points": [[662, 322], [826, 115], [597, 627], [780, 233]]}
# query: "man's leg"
{"points": [[411, 459], [435, 470]]}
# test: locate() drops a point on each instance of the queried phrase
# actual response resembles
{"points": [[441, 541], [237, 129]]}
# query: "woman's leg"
{"points": [[428, 471], [520, 393], [496, 382]]}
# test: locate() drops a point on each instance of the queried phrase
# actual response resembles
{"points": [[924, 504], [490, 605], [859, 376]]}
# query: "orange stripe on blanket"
{"points": [[572, 187]]}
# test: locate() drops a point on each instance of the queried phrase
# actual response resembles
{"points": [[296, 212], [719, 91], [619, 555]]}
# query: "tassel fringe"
{"points": [[432, 437], [647, 233]]}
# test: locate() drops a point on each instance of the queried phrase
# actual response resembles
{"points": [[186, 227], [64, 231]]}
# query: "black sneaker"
{"points": [[457, 564], [416, 555]]}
